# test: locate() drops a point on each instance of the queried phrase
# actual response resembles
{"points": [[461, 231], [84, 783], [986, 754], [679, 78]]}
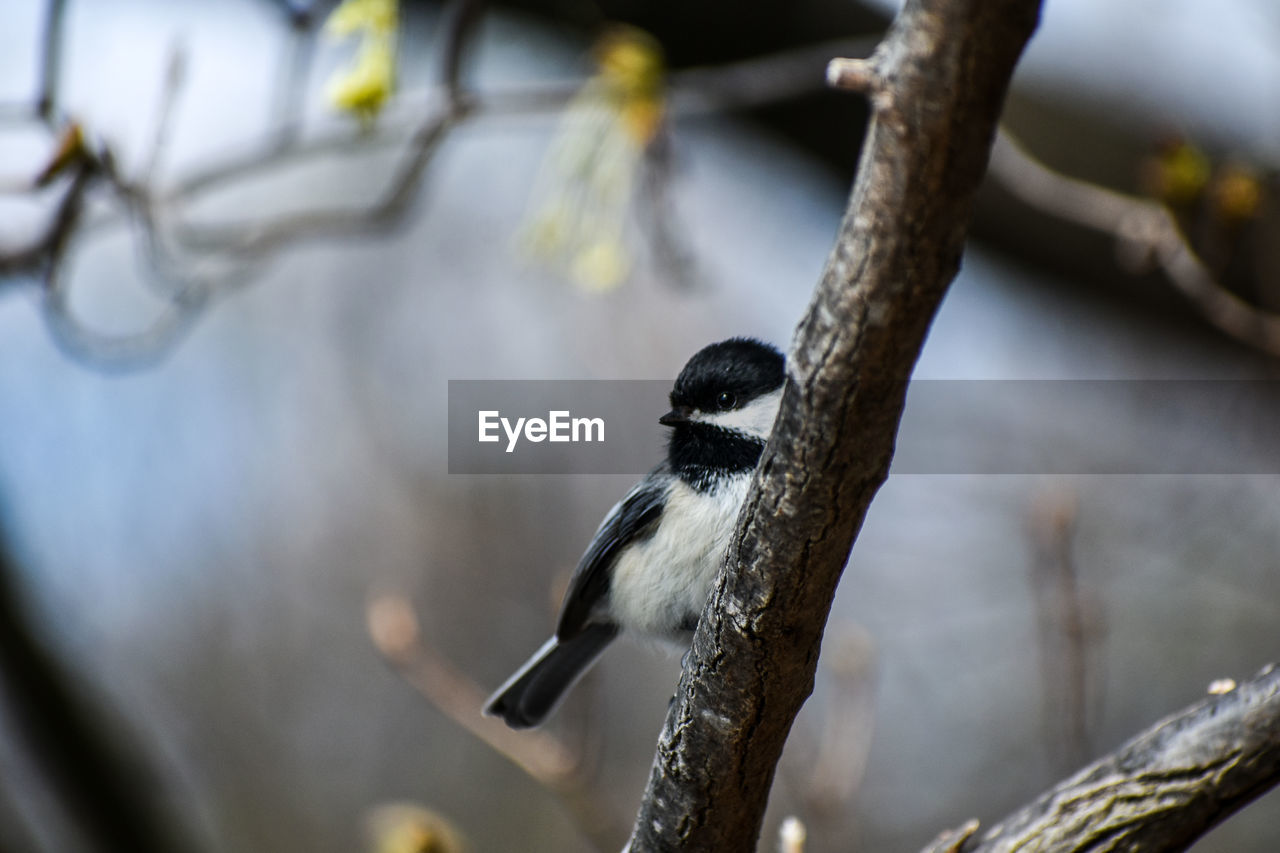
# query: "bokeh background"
{"points": [[234, 535]]}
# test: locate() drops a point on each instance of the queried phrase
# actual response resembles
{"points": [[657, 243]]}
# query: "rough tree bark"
{"points": [[936, 85]]}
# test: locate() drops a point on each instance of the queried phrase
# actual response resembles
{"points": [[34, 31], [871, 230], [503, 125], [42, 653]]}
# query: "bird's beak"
{"points": [[678, 415]]}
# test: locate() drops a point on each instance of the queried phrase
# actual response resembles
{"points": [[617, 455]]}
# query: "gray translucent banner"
{"points": [[949, 427]]}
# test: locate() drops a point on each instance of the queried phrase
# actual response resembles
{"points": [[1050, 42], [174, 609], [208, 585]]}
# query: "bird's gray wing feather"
{"points": [[632, 519]]}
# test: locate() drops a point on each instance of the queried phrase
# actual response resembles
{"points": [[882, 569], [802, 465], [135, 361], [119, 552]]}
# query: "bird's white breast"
{"points": [[659, 583]]}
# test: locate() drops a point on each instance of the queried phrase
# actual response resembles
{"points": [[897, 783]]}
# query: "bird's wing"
{"points": [[633, 518]]}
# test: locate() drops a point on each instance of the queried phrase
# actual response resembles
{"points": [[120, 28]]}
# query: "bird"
{"points": [[649, 567]]}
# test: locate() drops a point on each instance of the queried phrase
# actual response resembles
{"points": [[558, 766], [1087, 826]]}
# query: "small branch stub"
{"points": [[855, 75], [953, 840], [862, 76]]}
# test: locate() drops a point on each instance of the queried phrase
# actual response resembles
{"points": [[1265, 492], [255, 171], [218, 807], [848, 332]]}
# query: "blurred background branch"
{"points": [[197, 263], [1145, 231], [96, 774], [547, 759], [1070, 629]]}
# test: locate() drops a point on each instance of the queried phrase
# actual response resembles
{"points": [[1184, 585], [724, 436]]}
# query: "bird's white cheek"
{"points": [[755, 419], [663, 581]]}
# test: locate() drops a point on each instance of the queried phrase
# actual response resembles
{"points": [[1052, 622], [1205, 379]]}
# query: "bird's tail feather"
{"points": [[536, 689]]}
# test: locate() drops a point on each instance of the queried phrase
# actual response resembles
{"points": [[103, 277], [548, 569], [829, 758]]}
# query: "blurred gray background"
{"points": [[199, 536]]}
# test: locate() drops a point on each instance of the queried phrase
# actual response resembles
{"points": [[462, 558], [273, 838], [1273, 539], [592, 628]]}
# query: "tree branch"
{"points": [[1145, 230], [1164, 788], [937, 84], [105, 787], [51, 60]]}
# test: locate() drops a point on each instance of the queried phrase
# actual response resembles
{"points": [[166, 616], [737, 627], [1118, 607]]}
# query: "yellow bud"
{"points": [[600, 266], [547, 234], [642, 118], [591, 169], [71, 148], [1237, 194], [409, 828], [352, 16], [1182, 173], [365, 86], [630, 60]]}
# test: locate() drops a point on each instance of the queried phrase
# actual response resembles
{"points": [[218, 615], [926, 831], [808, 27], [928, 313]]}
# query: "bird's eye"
{"points": [[726, 400]]}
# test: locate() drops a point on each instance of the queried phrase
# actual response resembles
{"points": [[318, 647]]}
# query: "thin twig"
{"points": [[39, 254], [185, 295], [658, 217], [112, 350], [175, 74], [849, 719], [540, 754], [293, 73], [1144, 229], [1067, 628], [47, 93], [260, 157], [465, 20], [257, 239], [759, 81]]}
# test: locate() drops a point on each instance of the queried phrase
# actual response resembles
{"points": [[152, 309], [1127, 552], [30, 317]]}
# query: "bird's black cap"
{"points": [[744, 367]]}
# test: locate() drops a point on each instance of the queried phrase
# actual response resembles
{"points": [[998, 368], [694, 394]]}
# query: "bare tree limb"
{"points": [[466, 17], [1164, 788], [936, 84], [1146, 231], [389, 209]]}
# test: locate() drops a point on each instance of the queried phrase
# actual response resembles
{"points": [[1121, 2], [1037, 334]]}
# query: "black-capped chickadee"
{"points": [[650, 565]]}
